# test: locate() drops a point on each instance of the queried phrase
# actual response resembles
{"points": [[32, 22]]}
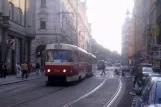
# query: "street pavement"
{"points": [[35, 93], [124, 100], [13, 79]]}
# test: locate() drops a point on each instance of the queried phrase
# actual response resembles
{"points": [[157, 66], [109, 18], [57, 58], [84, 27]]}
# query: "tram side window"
{"points": [[76, 56], [85, 58], [81, 57]]}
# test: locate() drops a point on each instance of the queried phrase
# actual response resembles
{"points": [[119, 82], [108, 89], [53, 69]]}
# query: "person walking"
{"points": [[24, 67], [3, 70], [18, 70], [29, 68], [103, 68], [38, 68]]}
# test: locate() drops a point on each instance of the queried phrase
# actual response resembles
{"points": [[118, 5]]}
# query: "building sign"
{"points": [[11, 43]]}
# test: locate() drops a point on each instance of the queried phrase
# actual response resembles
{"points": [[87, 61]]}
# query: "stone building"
{"points": [[63, 21], [17, 29], [125, 40]]}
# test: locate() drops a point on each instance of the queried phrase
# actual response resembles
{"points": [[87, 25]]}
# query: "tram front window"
{"points": [[59, 56]]}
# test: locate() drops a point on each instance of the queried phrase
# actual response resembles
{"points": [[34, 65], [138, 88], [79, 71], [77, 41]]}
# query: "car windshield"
{"points": [[59, 56], [147, 69], [158, 93]]}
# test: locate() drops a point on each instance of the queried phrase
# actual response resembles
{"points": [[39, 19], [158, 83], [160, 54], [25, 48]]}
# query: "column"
{"points": [[0, 43], [155, 19], [5, 7], [0, 6], [0, 35], [22, 51], [4, 48], [29, 51]]}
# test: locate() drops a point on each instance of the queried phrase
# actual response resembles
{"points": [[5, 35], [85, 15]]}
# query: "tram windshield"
{"points": [[59, 56]]}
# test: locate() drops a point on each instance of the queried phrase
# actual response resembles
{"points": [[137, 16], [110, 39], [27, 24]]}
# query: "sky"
{"points": [[107, 18]]}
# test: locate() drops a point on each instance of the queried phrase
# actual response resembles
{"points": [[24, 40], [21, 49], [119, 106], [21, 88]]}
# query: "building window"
{"points": [[20, 16], [11, 11], [43, 3], [42, 23], [17, 16]]}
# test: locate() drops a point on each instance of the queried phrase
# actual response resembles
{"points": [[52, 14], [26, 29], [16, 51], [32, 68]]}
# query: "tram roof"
{"points": [[92, 55], [64, 46]]}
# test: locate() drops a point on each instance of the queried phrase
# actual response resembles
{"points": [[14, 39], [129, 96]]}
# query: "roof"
{"points": [[64, 46], [92, 55], [156, 78]]}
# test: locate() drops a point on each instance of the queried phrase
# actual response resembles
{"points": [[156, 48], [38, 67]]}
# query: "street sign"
{"points": [[11, 43]]}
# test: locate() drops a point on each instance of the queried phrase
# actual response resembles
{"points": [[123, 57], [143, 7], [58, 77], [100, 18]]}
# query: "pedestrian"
{"points": [[38, 68], [29, 67], [18, 70], [103, 68], [24, 67], [137, 75], [3, 70]]}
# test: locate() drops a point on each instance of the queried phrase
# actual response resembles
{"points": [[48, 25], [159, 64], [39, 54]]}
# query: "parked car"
{"points": [[149, 95], [140, 85], [145, 73]]}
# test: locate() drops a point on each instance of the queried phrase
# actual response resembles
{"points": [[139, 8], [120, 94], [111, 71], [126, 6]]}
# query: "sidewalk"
{"points": [[13, 79]]}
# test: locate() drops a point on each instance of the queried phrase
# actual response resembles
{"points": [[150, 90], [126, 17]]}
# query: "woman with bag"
{"points": [[18, 70]]}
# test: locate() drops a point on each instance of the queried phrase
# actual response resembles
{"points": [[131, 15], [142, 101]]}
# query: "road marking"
{"points": [[86, 95], [110, 102]]}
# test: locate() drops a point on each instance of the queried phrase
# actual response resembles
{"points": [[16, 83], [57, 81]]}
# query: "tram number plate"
{"points": [[56, 70]]}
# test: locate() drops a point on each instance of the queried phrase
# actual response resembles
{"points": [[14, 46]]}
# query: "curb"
{"points": [[19, 81]]}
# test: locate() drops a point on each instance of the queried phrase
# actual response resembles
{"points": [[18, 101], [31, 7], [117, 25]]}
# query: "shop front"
{"points": [[19, 52]]}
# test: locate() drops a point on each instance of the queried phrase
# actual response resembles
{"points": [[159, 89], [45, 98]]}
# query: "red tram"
{"points": [[67, 62]]}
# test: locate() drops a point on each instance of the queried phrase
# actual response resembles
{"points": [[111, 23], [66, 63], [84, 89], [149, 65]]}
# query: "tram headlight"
{"points": [[64, 70], [48, 70]]}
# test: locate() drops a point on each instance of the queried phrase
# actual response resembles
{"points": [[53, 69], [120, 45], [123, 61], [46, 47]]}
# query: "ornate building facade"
{"points": [[17, 29], [63, 21]]}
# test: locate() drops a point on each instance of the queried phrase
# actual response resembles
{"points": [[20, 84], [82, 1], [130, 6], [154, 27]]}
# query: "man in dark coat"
{"points": [[103, 68]]}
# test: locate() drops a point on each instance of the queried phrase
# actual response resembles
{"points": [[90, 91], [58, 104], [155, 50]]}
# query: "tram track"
{"points": [[108, 104], [15, 94], [36, 98], [22, 90], [47, 94], [85, 95], [116, 94]]}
